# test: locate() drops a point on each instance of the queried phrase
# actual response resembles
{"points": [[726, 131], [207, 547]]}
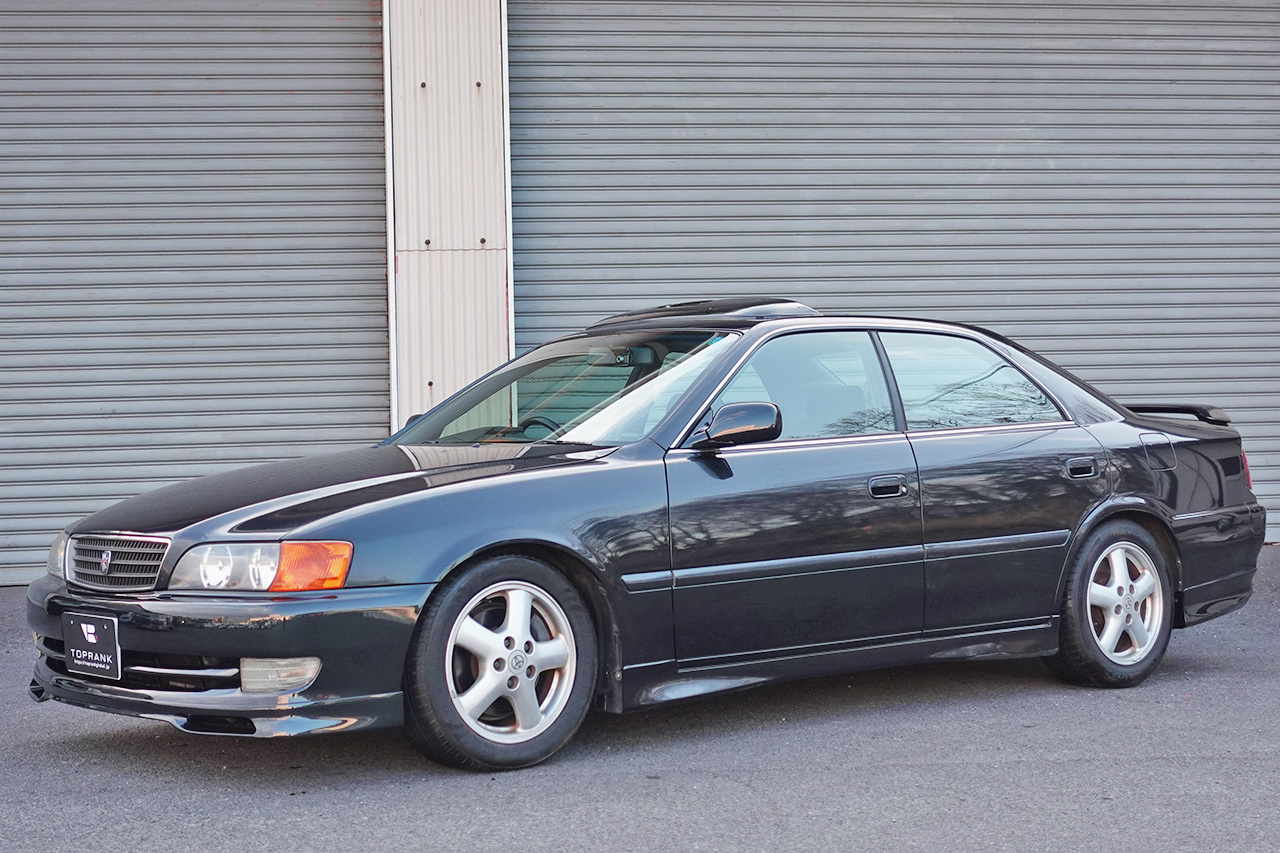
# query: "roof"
{"points": [[744, 312], [740, 309]]}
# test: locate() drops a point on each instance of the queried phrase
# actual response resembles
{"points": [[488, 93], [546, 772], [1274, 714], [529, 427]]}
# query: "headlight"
{"points": [[274, 566], [57, 564], [231, 566]]}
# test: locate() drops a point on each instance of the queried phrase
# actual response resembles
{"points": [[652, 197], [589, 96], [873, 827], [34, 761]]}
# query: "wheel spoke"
{"points": [[479, 640], [525, 702], [552, 654], [1119, 560], [519, 614], [1139, 633], [482, 694], [1125, 613], [1111, 633], [1143, 587], [1103, 596], [509, 701]]}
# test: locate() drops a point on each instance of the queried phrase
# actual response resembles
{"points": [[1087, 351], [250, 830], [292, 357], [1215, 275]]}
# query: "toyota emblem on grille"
{"points": [[105, 565]]}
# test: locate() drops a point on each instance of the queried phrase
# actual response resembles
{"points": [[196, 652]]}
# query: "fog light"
{"points": [[277, 675]]}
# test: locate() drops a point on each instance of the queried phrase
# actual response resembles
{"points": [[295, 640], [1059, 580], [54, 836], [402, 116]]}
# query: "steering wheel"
{"points": [[541, 421]]}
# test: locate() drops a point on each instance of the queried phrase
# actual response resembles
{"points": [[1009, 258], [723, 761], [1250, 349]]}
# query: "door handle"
{"points": [[1082, 467], [891, 486]]}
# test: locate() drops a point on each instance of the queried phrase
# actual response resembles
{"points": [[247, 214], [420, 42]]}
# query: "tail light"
{"points": [[1248, 478]]}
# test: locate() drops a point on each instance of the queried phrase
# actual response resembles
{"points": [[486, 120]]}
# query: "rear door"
{"points": [[810, 542], [1005, 478]]}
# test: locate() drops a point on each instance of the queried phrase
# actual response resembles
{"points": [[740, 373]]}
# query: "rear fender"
{"points": [[1152, 515]]}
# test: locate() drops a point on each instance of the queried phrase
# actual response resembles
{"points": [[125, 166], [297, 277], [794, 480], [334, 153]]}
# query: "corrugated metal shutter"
{"points": [[1101, 181], [192, 246]]}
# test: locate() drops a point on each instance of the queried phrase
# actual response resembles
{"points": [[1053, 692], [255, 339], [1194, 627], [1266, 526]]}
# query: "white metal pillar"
{"points": [[449, 189]]}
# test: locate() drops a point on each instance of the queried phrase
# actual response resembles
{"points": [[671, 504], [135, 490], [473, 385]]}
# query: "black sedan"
{"points": [[697, 498]]}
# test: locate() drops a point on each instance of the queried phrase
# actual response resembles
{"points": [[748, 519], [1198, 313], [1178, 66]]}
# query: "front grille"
{"points": [[133, 564]]}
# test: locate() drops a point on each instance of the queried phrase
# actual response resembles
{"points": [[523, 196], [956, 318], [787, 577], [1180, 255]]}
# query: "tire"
{"points": [[1117, 612], [501, 668]]}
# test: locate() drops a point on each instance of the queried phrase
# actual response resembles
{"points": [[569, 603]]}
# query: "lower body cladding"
{"points": [[181, 654], [669, 681]]}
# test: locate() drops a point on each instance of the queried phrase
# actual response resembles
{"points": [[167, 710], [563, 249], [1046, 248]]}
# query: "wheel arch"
{"points": [[1150, 519], [586, 580]]}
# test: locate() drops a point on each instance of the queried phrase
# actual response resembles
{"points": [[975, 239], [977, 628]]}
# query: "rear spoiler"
{"points": [[1208, 414]]}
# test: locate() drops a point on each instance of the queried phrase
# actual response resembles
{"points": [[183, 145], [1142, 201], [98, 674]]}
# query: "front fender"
{"points": [[608, 516]]}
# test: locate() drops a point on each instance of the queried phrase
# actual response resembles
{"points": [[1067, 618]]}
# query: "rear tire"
{"points": [[501, 667], [1117, 611]]}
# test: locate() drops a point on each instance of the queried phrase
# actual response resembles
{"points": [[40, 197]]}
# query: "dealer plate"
{"points": [[92, 645]]}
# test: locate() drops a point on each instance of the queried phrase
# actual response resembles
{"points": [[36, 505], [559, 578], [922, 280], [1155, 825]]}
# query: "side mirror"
{"points": [[739, 423]]}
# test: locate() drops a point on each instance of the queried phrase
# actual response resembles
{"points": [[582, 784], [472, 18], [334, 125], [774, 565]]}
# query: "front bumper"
{"points": [[181, 653]]}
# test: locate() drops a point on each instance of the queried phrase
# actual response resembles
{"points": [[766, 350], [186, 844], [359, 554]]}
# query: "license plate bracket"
{"points": [[92, 645]]}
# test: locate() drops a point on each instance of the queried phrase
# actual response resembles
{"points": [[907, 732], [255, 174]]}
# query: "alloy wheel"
{"points": [[510, 661], [1126, 603]]}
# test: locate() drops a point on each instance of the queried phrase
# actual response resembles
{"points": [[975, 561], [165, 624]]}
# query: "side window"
{"points": [[746, 387], [948, 382], [826, 384]]}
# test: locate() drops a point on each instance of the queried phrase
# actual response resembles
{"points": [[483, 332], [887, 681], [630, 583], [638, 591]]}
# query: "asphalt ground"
{"points": [[957, 756]]}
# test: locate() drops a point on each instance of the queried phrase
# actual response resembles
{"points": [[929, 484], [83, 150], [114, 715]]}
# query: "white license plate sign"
{"points": [[92, 645]]}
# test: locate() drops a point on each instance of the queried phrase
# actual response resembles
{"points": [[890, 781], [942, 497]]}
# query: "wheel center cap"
{"points": [[1128, 602], [518, 661]]}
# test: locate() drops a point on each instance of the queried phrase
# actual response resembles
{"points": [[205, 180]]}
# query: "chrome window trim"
{"points": [[803, 443], [796, 444], [689, 427], [941, 432]]}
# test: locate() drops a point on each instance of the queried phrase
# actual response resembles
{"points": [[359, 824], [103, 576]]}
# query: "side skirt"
{"points": [[656, 683]]}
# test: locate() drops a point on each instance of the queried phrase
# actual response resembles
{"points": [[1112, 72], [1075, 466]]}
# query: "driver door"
{"points": [[808, 543]]}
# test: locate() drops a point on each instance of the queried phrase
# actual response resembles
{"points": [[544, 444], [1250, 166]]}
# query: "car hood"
{"points": [[323, 485]]}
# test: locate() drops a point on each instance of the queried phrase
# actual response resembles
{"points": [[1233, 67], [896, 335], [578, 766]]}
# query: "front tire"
{"points": [[1117, 612], [501, 667]]}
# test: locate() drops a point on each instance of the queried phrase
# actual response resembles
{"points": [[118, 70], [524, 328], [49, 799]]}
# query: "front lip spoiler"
{"points": [[224, 712]]}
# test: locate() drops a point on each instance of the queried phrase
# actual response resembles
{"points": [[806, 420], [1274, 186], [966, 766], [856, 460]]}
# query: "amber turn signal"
{"points": [[312, 565]]}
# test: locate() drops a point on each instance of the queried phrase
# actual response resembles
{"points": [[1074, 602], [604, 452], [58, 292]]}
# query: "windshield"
{"points": [[601, 390]]}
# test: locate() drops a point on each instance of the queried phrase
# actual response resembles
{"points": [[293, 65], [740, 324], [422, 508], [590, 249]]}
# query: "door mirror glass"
{"points": [[739, 423]]}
